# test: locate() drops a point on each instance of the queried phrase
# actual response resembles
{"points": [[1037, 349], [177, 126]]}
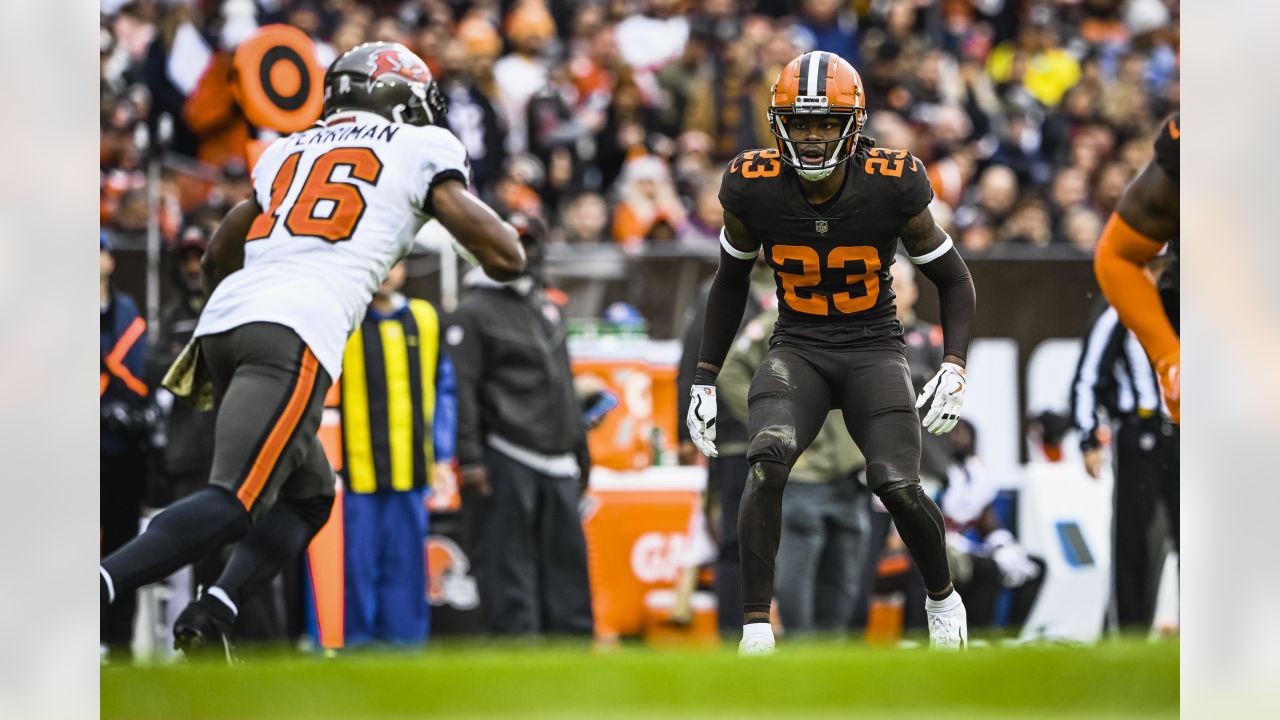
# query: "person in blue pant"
{"points": [[398, 424]]}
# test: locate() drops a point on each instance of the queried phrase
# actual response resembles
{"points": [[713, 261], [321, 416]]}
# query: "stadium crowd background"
{"points": [[612, 120]]}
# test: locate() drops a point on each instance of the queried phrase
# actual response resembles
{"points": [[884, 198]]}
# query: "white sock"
{"points": [[225, 599], [762, 631], [111, 587], [946, 604]]}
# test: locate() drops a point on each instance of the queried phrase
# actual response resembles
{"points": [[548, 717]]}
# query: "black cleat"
{"points": [[203, 630]]}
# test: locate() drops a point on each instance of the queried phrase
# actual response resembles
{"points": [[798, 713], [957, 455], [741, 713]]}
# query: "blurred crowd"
{"points": [[611, 119]]}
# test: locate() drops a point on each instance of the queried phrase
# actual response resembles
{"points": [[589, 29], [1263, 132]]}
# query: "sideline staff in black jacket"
{"points": [[521, 452]]}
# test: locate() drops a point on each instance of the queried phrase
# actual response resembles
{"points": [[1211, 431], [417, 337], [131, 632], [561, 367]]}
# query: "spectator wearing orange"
{"points": [[649, 208], [472, 117], [593, 52], [483, 46], [530, 28], [213, 115]]}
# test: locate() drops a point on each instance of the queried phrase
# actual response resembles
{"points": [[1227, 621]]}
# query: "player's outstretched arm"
{"points": [[1145, 219], [479, 229], [725, 305], [225, 254], [931, 249]]}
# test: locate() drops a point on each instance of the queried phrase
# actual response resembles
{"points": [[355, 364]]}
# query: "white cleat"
{"points": [[755, 646], [949, 629]]}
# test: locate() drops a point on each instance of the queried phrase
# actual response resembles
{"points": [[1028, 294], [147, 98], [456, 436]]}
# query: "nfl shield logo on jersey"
{"points": [[820, 226]]}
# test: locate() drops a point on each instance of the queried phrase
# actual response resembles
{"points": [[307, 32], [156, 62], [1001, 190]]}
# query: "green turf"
{"points": [[1122, 680]]}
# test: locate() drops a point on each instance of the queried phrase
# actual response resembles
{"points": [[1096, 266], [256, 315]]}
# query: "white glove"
{"points": [[1015, 565], [947, 390], [702, 419]]}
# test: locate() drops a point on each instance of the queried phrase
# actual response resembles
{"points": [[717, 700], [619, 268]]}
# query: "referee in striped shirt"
{"points": [[1115, 385]]}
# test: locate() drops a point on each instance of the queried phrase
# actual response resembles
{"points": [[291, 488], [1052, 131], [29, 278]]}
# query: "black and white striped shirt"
{"points": [[1113, 375]]}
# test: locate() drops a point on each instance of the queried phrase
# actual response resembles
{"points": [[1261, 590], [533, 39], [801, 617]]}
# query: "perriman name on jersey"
{"points": [[384, 133]]}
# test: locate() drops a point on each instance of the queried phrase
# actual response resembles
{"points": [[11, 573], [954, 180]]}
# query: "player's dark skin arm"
{"points": [[726, 302], [921, 236], [1150, 204], [225, 254], [479, 229]]}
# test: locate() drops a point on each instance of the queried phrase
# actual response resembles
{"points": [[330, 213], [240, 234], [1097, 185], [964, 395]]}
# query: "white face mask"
{"points": [[814, 173], [817, 174]]}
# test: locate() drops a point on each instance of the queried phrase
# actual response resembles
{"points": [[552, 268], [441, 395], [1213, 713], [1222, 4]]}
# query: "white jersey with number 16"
{"points": [[341, 203]]}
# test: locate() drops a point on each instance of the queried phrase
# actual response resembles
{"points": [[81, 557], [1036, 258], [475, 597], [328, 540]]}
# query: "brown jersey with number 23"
{"points": [[830, 261]]}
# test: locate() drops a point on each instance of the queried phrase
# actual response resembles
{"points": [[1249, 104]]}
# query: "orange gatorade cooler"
{"points": [[700, 631], [622, 440], [637, 530], [641, 373], [663, 358]]}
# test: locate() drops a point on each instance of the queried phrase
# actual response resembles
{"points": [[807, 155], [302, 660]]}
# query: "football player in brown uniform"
{"points": [[1144, 223], [828, 208]]}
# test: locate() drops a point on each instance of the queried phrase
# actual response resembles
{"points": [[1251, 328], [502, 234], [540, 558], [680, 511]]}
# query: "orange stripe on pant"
{"points": [[265, 463]]}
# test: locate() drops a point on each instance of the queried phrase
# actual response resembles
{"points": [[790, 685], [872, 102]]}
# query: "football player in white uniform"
{"points": [[290, 273]]}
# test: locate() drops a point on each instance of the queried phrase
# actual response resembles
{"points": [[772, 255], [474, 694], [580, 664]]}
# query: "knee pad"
{"points": [[901, 497], [767, 476], [313, 510], [907, 500], [883, 477]]}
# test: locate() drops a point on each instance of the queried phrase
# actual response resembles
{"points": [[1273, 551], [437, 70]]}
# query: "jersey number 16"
{"points": [[346, 202]]}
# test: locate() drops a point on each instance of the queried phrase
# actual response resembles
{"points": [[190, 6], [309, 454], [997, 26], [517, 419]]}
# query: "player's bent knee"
{"points": [[901, 497], [884, 477], [767, 476], [212, 507], [313, 510], [773, 443], [906, 500]]}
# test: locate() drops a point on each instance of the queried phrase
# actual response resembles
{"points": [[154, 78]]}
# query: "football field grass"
{"points": [[1128, 679]]}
